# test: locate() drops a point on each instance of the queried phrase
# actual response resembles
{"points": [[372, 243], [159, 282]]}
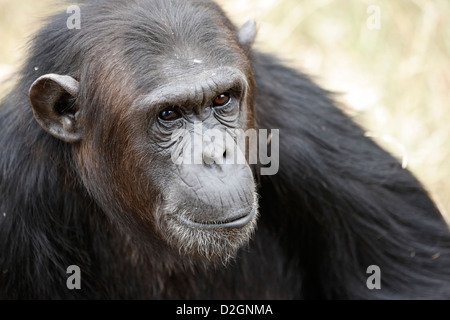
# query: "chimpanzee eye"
{"points": [[222, 99], [169, 114]]}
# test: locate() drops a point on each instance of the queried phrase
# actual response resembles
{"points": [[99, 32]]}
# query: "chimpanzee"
{"points": [[90, 139]]}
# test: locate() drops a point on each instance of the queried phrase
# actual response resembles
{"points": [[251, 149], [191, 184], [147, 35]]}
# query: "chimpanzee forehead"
{"points": [[165, 40], [178, 30]]}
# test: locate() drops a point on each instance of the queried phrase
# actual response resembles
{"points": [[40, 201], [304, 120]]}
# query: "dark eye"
{"points": [[169, 114], [222, 99]]}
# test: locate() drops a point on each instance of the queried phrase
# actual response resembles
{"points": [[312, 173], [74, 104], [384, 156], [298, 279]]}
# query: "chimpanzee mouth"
{"points": [[239, 220]]}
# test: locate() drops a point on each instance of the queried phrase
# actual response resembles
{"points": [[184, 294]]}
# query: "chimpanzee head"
{"points": [[136, 77]]}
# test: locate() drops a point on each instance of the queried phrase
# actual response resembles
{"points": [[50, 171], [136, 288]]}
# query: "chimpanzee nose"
{"points": [[214, 149]]}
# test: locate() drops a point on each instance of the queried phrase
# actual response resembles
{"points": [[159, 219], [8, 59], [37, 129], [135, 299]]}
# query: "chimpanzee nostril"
{"points": [[213, 147], [212, 154]]}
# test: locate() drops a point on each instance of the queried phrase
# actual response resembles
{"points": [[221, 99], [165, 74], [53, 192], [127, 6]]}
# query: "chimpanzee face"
{"points": [[162, 156]]}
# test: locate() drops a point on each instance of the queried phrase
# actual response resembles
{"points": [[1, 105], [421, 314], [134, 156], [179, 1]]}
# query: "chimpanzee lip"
{"points": [[239, 220]]}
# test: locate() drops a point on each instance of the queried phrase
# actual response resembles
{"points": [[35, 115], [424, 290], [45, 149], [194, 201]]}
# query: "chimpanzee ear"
{"points": [[247, 34], [52, 98]]}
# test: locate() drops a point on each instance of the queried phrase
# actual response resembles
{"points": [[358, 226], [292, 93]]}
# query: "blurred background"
{"points": [[389, 60]]}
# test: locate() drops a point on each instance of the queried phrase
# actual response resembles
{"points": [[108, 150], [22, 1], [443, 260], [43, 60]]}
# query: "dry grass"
{"points": [[395, 80]]}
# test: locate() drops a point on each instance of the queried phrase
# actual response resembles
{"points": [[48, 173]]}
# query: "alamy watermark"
{"points": [[227, 147], [74, 280], [374, 281], [74, 20], [374, 20]]}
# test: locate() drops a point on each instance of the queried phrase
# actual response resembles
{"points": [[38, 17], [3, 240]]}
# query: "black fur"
{"points": [[338, 204]]}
